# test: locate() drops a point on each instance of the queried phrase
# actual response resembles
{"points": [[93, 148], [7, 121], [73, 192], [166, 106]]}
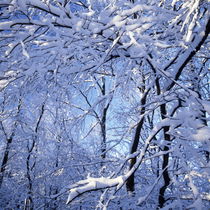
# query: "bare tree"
{"points": [[128, 77]]}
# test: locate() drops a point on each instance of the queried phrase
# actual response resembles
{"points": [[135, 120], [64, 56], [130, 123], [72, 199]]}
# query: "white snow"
{"points": [[3, 83], [92, 184], [202, 134], [206, 105], [6, 25], [25, 53]]}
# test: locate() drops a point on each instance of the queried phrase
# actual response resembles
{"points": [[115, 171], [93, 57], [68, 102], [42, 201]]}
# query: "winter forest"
{"points": [[104, 104]]}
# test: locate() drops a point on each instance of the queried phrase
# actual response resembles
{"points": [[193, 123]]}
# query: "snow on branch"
{"points": [[8, 24], [93, 184], [47, 7], [194, 46]]}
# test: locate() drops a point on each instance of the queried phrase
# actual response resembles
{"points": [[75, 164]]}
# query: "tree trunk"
{"points": [[166, 176], [5, 160], [130, 184]]}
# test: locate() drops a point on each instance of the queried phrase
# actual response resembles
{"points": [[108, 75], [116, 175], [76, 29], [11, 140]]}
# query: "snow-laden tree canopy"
{"points": [[104, 104]]}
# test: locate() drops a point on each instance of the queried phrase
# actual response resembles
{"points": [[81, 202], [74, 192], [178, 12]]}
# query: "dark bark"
{"points": [[103, 122], [166, 177], [29, 205], [188, 59], [5, 160], [130, 185], [103, 133], [29, 199], [165, 163], [8, 145], [163, 111]]}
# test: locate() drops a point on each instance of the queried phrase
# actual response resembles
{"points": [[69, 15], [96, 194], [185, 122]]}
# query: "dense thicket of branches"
{"points": [[104, 104]]}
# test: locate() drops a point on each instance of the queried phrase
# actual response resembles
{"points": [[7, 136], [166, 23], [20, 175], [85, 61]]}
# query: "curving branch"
{"points": [[94, 184]]}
